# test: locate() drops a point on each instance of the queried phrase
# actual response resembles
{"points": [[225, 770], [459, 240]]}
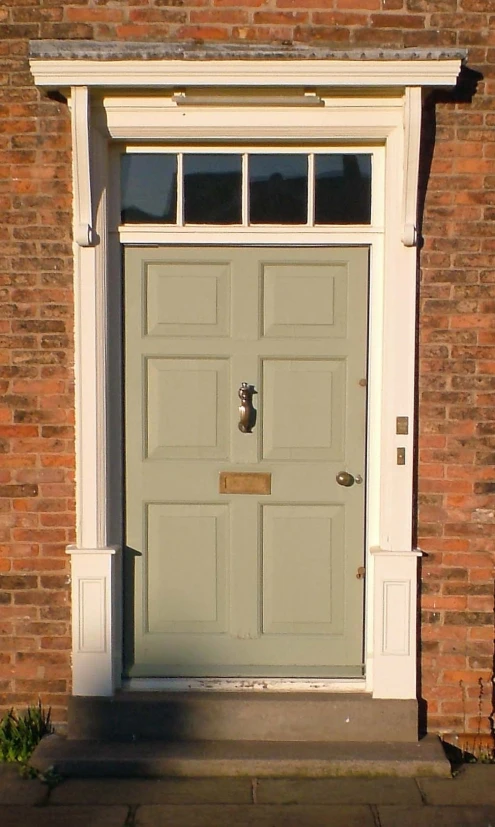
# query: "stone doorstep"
{"points": [[254, 759], [242, 716]]}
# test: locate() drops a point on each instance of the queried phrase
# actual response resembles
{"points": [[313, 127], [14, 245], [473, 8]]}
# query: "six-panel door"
{"points": [[245, 584]]}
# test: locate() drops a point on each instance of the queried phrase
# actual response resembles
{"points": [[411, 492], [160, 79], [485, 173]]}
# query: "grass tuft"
{"points": [[20, 734]]}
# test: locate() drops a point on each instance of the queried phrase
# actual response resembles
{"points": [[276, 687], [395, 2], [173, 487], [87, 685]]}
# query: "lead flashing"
{"points": [[115, 50]]}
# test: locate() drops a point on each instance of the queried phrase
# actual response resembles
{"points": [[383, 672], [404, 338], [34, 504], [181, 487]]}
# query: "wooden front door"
{"points": [[233, 584]]}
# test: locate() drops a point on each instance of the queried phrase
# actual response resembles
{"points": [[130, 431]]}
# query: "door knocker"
{"points": [[247, 414]]}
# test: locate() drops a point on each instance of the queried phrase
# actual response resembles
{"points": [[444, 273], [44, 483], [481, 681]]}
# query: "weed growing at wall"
{"points": [[20, 734]]}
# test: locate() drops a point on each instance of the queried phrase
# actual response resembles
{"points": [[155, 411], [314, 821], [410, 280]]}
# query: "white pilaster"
{"points": [[395, 640], [95, 632], [95, 566]]}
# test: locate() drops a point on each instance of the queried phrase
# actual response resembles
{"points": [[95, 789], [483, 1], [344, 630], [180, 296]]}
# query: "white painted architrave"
{"points": [[393, 120]]}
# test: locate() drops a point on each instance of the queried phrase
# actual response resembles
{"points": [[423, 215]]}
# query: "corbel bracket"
{"points": [[84, 235], [412, 134]]}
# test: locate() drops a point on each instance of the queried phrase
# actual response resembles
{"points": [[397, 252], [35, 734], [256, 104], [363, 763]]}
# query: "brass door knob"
{"points": [[345, 479]]}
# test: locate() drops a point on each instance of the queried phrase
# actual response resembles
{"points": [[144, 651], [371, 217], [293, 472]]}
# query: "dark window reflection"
{"points": [[148, 188], [342, 189], [212, 189], [278, 189]]}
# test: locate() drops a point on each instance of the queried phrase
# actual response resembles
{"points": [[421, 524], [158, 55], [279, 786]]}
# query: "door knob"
{"points": [[345, 479]]}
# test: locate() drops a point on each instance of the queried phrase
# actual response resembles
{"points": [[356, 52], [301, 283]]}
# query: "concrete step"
{"points": [[242, 716], [254, 759]]}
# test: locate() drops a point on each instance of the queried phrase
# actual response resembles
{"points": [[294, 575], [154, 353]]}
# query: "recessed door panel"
{"points": [[185, 588], [186, 402], [304, 408], [187, 299], [303, 575], [227, 576], [305, 300]]}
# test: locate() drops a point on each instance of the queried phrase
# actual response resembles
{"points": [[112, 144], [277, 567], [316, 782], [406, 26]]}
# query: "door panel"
{"points": [[303, 583], [186, 405], [187, 575], [245, 584], [304, 407], [307, 300], [182, 300]]}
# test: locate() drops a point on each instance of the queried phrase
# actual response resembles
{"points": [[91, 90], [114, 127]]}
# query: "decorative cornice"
{"points": [[60, 64]]}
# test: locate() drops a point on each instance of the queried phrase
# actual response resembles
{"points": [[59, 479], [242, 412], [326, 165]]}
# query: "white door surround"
{"points": [[274, 95]]}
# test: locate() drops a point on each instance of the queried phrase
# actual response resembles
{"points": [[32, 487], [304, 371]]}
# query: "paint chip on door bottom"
{"points": [[235, 482]]}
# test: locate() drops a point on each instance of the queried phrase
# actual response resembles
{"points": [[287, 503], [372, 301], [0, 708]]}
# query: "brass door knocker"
{"points": [[247, 414]]}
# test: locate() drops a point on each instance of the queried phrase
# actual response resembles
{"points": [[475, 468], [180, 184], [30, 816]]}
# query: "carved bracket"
{"points": [[83, 209], [412, 132]]}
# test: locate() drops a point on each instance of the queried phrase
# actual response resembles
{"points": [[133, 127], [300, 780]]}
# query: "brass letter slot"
{"points": [[235, 482]]}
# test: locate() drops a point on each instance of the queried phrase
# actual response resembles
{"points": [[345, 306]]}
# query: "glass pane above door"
{"points": [[278, 189], [212, 189], [342, 189], [148, 183], [222, 188]]}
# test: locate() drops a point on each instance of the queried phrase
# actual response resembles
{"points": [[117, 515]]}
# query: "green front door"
{"points": [[233, 584]]}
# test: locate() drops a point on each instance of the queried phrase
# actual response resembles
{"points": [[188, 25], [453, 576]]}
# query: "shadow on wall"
{"points": [[464, 92]]}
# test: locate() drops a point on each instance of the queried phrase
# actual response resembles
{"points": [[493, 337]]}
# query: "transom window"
{"points": [[246, 188]]}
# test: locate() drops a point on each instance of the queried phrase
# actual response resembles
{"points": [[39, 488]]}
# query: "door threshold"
{"points": [[244, 685]]}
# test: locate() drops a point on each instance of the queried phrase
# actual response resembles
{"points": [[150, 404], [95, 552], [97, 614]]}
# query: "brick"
{"points": [[14, 583], [211, 16], [339, 18], [353, 4], [272, 18], [398, 21], [468, 618], [84, 14], [163, 15]]}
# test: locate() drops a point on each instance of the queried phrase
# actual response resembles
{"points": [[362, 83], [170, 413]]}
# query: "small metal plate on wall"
{"points": [[402, 425], [235, 482]]}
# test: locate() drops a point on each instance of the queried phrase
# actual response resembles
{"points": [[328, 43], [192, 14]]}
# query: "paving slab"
{"points": [[17, 790], [211, 815], [475, 784], [153, 791], [63, 816], [338, 791], [436, 816]]}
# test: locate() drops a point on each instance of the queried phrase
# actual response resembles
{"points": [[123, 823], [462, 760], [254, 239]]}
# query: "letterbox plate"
{"points": [[235, 482]]}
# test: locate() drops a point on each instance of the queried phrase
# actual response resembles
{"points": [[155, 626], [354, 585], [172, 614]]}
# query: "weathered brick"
{"points": [[24, 490]]}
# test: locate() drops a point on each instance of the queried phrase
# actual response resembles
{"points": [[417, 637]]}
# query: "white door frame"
{"points": [[356, 100]]}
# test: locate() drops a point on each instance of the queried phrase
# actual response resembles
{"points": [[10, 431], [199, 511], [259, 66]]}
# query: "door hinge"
{"points": [[361, 573]]}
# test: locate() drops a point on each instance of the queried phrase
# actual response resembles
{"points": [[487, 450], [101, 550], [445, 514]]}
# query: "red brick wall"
{"points": [[456, 474], [456, 478]]}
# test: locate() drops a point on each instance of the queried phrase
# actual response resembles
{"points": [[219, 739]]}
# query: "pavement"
{"points": [[467, 800]]}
